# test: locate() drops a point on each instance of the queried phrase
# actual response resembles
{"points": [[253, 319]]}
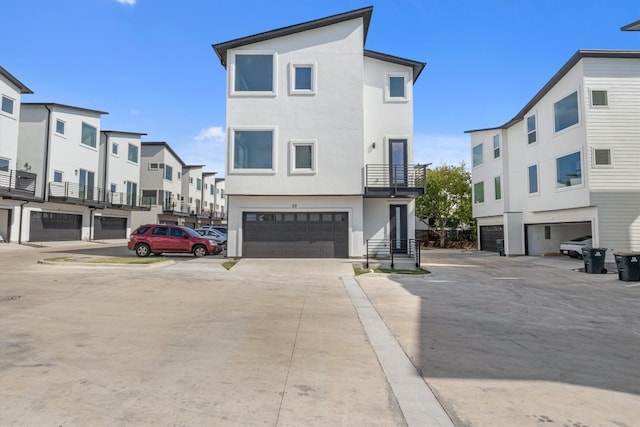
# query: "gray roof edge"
{"points": [[416, 65], [364, 13], [55, 104], [123, 131], [15, 81], [165, 145], [577, 57], [634, 26]]}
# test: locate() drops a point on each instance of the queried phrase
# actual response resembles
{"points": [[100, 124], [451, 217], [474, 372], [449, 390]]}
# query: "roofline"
{"points": [[634, 26], [55, 104], [165, 145], [364, 13], [481, 130], [122, 131], [12, 79], [416, 65], [209, 173], [577, 57], [193, 166]]}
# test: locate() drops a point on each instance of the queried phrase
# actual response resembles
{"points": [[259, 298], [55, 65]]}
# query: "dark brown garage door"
{"points": [[107, 227], [50, 227], [295, 235], [488, 236]]}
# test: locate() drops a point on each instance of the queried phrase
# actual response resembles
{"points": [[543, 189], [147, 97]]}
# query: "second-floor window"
{"points": [[497, 184], [478, 192], [599, 98], [531, 129], [569, 170], [168, 173], [478, 157], [7, 105], [198, 184], [133, 153], [565, 112], [89, 135], [533, 179], [60, 127], [212, 190], [496, 146], [254, 72], [114, 149], [149, 197], [253, 149]]}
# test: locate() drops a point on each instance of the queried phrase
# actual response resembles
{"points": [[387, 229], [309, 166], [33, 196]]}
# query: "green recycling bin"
{"points": [[594, 260], [500, 245], [628, 264]]}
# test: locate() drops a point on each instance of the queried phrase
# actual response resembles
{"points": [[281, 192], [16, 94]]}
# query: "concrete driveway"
{"points": [[500, 341]]}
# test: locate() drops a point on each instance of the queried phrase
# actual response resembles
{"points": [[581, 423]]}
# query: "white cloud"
{"points": [[442, 149], [207, 148], [214, 134], [129, 2]]}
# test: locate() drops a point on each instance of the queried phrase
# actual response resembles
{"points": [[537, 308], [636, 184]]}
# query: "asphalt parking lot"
{"points": [[500, 341]]}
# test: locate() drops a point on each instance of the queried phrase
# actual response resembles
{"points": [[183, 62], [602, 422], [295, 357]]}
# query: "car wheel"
{"points": [[199, 251], [143, 250]]}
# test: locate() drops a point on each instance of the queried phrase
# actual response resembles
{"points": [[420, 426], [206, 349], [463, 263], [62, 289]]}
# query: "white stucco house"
{"points": [[320, 141], [17, 185], [567, 164]]}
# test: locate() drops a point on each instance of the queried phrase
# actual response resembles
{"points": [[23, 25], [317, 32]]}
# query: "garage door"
{"points": [[107, 227], [49, 227], [295, 235], [488, 236]]}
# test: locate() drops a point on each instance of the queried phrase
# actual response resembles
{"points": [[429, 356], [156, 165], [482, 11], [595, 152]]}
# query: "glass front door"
{"points": [[398, 161], [398, 228]]}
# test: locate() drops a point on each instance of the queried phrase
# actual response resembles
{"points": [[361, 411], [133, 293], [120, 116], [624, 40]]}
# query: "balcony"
{"points": [[395, 180], [127, 201], [74, 193], [17, 184], [176, 208]]}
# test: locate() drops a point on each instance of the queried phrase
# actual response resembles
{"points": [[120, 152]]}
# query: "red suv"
{"points": [[158, 238]]}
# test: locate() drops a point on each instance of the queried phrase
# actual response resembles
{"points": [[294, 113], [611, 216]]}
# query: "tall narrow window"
{"points": [[198, 184], [566, 112], [133, 153], [478, 192], [533, 179], [531, 129], [168, 173], [496, 146], [478, 158], [60, 127], [497, 184], [89, 135], [114, 149]]}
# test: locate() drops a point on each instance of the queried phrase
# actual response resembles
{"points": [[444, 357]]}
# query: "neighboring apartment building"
{"points": [[568, 164], [17, 185], [320, 141], [192, 195], [211, 197], [220, 201]]}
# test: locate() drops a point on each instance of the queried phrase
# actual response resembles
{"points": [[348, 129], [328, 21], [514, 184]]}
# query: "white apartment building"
{"points": [[568, 164], [220, 202], [209, 195], [320, 141]]}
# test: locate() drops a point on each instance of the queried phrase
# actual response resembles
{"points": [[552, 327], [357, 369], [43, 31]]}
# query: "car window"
{"points": [[176, 232], [141, 230], [159, 231]]}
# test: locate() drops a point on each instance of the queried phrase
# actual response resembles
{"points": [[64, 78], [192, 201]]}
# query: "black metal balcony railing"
{"points": [[395, 180], [71, 192], [390, 249], [17, 182]]}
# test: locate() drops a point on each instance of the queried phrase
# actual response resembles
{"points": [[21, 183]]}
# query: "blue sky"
{"points": [[149, 63]]}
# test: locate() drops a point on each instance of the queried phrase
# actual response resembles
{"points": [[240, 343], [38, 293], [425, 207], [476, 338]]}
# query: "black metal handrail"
{"points": [[412, 176], [391, 248], [18, 181], [72, 190]]}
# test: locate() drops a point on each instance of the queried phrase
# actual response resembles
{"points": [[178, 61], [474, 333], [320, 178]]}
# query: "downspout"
{"points": [[106, 163], [47, 137], [20, 226]]}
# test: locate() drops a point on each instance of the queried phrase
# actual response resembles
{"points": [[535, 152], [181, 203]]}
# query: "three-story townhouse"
{"points": [[192, 195], [568, 161], [17, 183], [320, 142], [220, 201]]}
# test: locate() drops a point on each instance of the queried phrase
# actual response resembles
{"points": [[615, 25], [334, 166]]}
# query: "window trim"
{"points": [[606, 95], [129, 153], [473, 160], [387, 87], [64, 126], [475, 197], [55, 171], [529, 192], [246, 171], [601, 166], [168, 167], [572, 126], [582, 174], [244, 93], [8, 164], [117, 151], [497, 179], [293, 170], [151, 168], [292, 78], [13, 106], [535, 128], [93, 147], [497, 137]]}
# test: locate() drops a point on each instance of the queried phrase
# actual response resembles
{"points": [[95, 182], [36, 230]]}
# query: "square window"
{"points": [[566, 112], [303, 157], [60, 127], [533, 179], [531, 129], [132, 155], [396, 87], [7, 105], [478, 157], [89, 135], [496, 146], [568, 170], [303, 75], [57, 176], [253, 149], [4, 164], [599, 98], [478, 192], [497, 184], [601, 157], [113, 187], [114, 149], [254, 73]]}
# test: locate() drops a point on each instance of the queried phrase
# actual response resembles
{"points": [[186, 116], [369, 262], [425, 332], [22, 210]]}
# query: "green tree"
{"points": [[447, 202]]}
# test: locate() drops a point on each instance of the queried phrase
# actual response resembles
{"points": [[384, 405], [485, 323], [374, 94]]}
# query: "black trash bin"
{"points": [[500, 244], [628, 264], [594, 260]]}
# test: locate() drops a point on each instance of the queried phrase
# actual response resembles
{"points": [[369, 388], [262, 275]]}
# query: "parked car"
{"points": [[158, 238], [222, 229], [211, 234], [574, 247]]}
